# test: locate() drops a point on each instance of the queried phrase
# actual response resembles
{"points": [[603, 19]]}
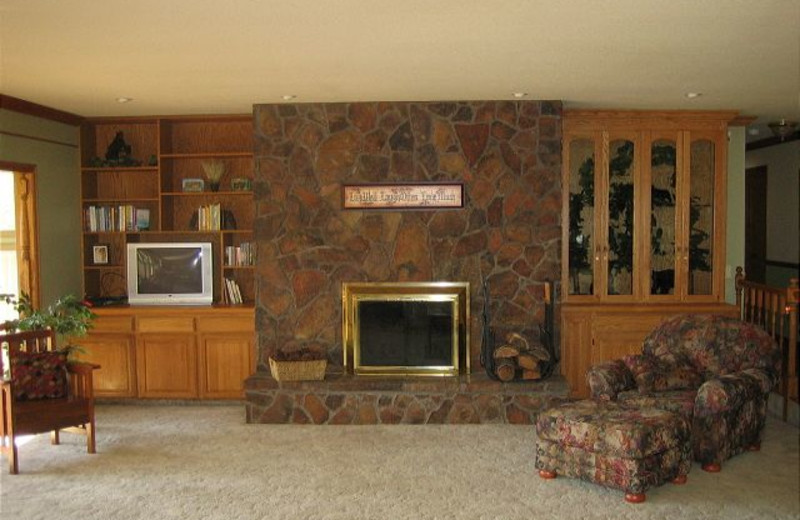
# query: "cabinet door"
{"points": [[618, 335], [167, 365], [116, 376], [702, 249], [619, 258], [226, 360], [663, 153], [576, 349], [580, 237]]}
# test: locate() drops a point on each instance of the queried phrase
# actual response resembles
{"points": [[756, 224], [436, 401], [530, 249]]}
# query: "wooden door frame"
{"points": [[27, 228]]}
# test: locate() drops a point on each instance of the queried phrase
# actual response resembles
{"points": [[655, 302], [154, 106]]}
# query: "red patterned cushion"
{"points": [[39, 375], [653, 374]]}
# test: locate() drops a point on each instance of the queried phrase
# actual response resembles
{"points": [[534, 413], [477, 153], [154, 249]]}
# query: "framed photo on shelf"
{"points": [[100, 254], [240, 184], [193, 184]]}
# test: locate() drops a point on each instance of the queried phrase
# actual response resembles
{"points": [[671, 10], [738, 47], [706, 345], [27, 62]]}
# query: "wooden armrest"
{"points": [[79, 367], [81, 384]]}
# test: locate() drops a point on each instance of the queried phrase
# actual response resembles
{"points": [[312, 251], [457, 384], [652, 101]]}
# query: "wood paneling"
{"points": [[225, 360], [167, 365], [172, 352], [165, 324], [116, 376], [592, 333]]}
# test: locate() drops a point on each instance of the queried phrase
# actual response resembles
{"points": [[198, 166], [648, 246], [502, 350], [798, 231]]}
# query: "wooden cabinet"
{"points": [[172, 352], [644, 225], [593, 333], [167, 365], [116, 376], [144, 195], [111, 345], [227, 360], [644, 206]]}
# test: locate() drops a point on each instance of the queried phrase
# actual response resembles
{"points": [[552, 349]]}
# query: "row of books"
{"points": [[231, 294], [241, 255], [123, 217], [209, 218]]}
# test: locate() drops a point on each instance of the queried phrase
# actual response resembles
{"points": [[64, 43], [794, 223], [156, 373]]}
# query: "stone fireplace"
{"points": [[411, 328], [507, 156]]}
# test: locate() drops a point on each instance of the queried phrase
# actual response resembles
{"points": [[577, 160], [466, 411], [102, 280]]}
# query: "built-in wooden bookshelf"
{"points": [[143, 199]]}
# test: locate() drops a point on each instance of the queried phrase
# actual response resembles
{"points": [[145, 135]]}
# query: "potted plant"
{"points": [[68, 317]]}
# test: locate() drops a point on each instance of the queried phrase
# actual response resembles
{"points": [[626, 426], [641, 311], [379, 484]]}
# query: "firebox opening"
{"points": [[405, 328]]}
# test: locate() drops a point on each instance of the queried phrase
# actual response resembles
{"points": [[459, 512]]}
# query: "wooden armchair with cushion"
{"points": [[41, 391]]}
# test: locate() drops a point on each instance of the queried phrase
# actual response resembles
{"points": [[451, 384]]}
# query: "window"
{"points": [[19, 266], [9, 281]]}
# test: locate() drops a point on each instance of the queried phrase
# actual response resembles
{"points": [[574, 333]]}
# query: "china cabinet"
{"points": [[644, 227]]}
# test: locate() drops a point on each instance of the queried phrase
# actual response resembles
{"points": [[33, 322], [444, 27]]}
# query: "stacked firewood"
{"points": [[516, 359]]}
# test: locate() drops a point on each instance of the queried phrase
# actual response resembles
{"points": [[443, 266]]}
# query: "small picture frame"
{"points": [[193, 185], [241, 184], [100, 254]]}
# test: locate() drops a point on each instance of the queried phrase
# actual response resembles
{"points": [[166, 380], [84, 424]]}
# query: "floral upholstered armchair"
{"points": [[715, 371]]}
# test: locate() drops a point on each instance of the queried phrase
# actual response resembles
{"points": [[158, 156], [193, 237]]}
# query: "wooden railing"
{"points": [[775, 310]]}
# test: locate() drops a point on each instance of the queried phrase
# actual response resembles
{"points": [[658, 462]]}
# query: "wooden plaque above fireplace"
{"points": [[406, 329]]}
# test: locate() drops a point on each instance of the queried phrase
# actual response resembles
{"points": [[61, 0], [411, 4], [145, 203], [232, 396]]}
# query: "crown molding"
{"points": [[41, 111]]}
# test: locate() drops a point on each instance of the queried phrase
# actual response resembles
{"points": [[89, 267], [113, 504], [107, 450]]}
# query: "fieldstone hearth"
{"points": [[507, 155], [344, 399]]}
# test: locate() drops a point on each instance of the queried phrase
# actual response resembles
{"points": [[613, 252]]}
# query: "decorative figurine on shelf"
{"points": [[118, 153], [118, 150]]}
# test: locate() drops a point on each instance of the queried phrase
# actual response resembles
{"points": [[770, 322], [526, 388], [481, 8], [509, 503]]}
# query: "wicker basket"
{"points": [[298, 370]]}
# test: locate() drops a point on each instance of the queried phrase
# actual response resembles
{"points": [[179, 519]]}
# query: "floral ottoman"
{"points": [[624, 448]]}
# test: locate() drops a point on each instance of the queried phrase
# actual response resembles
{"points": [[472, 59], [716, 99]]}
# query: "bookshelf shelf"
{"points": [[164, 152]]}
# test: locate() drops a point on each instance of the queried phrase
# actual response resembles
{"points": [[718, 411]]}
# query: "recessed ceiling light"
{"points": [[288, 97], [693, 95], [124, 99], [519, 95]]}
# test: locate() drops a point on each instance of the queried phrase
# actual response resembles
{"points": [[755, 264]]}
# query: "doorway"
{"points": [[755, 224]]}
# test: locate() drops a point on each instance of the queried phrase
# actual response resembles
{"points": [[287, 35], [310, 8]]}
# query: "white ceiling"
{"points": [[223, 56]]}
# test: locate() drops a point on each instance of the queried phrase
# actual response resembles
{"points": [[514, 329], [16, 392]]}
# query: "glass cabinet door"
{"points": [[663, 216], [618, 253], [701, 217], [580, 248]]}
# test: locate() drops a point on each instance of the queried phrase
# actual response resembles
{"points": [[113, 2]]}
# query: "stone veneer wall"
{"points": [[507, 154]]}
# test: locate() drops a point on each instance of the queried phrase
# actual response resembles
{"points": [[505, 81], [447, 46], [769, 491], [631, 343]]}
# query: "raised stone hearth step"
{"points": [[344, 399]]}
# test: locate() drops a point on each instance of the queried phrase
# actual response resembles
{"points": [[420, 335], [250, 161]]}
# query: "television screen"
{"points": [[169, 273], [173, 270]]}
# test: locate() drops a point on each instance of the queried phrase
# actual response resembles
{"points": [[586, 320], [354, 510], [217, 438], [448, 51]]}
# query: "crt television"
{"points": [[175, 273]]}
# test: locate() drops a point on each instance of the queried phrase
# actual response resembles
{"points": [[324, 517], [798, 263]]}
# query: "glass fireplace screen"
{"points": [[396, 330]]}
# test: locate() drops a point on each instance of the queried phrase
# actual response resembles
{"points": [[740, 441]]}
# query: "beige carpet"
{"points": [[203, 462]]}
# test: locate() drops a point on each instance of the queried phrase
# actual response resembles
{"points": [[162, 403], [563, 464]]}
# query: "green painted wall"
{"points": [[734, 247], [58, 195]]}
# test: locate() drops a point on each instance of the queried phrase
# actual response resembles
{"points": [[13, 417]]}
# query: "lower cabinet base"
{"points": [[592, 333], [171, 352]]}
